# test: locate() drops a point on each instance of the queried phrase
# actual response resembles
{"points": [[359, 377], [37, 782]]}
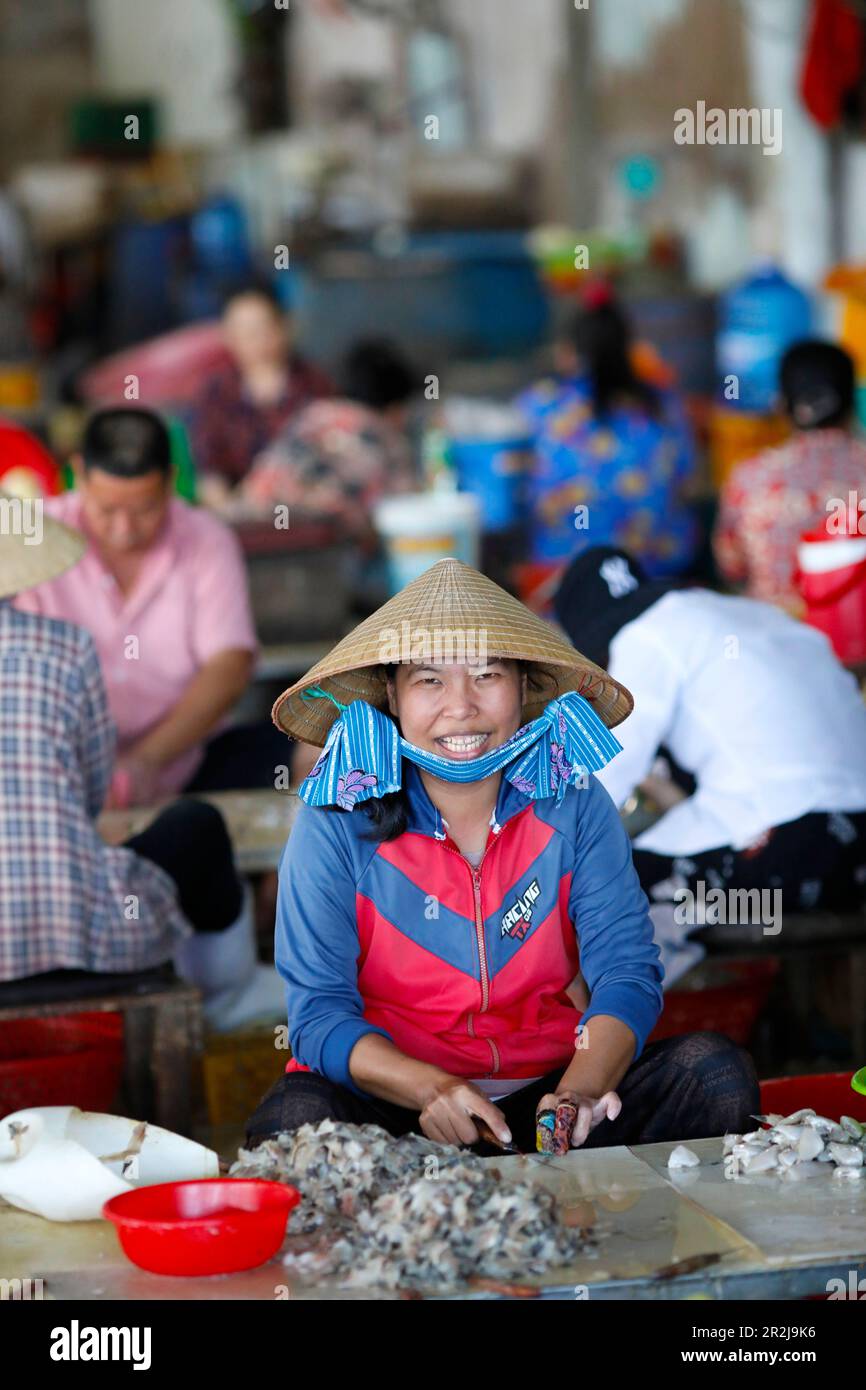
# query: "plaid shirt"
{"points": [[67, 900], [228, 430]]}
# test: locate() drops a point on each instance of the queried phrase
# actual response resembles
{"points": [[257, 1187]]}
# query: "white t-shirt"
{"points": [[753, 703]]}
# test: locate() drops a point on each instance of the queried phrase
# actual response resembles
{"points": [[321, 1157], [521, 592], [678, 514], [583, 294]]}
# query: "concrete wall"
{"points": [[647, 58], [45, 64], [182, 52]]}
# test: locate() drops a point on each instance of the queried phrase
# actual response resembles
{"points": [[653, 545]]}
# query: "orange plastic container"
{"points": [[736, 435]]}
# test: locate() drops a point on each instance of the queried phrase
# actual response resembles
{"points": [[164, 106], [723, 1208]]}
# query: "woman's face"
{"points": [[256, 334], [459, 710]]}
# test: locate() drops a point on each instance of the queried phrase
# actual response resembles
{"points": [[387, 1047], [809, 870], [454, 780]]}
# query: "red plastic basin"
{"points": [[210, 1226], [74, 1059], [830, 1094], [731, 1003]]}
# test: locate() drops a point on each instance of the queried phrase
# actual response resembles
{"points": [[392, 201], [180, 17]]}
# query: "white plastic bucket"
{"points": [[822, 554], [425, 527]]}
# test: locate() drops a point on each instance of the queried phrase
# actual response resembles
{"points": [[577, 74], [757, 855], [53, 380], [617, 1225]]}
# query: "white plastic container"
{"points": [[63, 1163], [425, 527]]}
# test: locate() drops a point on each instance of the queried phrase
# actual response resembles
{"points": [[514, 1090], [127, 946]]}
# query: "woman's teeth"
{"points": [[463, 743]]}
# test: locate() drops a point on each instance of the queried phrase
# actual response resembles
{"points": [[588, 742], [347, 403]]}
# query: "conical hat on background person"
{"points": [[33, 547], [451, 612]]}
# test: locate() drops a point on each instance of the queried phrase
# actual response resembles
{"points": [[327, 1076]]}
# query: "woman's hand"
{"points": [[446, 1115], [591, 1110], [135, 783]]}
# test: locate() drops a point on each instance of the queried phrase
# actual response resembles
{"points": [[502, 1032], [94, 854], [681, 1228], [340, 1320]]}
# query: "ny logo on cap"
{"points": [[617, 576]]}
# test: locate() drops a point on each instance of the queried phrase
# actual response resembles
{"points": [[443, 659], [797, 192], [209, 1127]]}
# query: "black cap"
{"points": [[602, 590]]}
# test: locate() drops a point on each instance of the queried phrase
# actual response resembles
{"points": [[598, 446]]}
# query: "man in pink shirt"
{"points": [[163, 591]]}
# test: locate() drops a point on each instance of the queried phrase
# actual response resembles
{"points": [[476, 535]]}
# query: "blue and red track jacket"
{"points": [[460, 967]]}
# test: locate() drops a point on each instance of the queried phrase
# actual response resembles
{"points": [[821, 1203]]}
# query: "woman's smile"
{"points": [[463, 745]]}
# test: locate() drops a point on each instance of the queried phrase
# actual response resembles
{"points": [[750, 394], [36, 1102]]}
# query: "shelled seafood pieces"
{"points": [[407, 1212], [794, 1146]]}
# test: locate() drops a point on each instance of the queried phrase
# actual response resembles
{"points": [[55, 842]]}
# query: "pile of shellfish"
{"points": [[408, 1212], [795, 1146]]}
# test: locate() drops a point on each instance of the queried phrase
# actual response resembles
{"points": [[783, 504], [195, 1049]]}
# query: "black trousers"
{"points": [[817, 861], [190, 841], [691, 1087]]}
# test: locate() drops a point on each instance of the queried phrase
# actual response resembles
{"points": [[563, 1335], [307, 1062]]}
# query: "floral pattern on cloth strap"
{"points": [[363, 755]]}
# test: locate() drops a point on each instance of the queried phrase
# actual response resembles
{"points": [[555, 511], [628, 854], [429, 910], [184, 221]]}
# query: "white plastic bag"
{"points": [[64, 1163]]}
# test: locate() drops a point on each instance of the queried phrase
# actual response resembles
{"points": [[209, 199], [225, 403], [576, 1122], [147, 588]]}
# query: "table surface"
{"points": [[765, 1237], [289, 660], [258, 823]]}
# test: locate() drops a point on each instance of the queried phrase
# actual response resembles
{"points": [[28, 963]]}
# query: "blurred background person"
{"points": [[612, 452], [768, 501], [757, 712], [339, 457], [163, 591], [64, 893], [242, 408]]}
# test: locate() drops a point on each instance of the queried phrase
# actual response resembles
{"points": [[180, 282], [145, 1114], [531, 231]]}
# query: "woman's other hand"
{"points": [[591, 1110]]}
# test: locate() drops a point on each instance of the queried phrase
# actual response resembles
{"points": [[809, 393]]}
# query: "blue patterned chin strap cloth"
{"points": [[362, 757]]}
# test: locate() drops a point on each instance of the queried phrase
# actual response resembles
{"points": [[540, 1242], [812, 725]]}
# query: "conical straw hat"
{"points": [[33, 547], [451, 612]]}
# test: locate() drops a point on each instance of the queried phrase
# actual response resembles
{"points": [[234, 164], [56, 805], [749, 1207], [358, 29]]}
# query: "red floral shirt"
{"points": [[767, 502], [228, 430]]}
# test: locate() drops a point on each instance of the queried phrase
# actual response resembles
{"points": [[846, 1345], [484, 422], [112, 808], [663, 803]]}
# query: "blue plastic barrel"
{"points": [[759, 320], [219, 237], [496, 472]]}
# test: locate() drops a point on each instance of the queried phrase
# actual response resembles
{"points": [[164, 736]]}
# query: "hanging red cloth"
{"points": [[834, 59]]}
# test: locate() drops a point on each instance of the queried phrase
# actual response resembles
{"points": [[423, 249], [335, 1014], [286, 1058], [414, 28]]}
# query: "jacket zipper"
{"points": [[482, 950]]}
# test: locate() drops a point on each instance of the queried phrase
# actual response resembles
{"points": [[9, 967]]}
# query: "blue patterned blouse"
{"points": [[612, 481]]}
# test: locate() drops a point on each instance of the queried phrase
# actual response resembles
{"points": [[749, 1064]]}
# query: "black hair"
{"points": [[127, 442], [817, 382], [389, 816], [259, 287], [601, 337], [376, 373]]}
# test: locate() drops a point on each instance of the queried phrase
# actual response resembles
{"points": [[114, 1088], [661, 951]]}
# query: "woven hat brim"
{"points": [[26, 561], [449, 598]]}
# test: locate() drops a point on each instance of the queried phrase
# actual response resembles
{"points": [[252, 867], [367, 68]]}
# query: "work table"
{"points": [[771, 1238]]}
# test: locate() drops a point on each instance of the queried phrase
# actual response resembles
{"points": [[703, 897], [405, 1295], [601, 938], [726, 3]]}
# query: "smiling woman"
{"points": [[429, 936]]}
